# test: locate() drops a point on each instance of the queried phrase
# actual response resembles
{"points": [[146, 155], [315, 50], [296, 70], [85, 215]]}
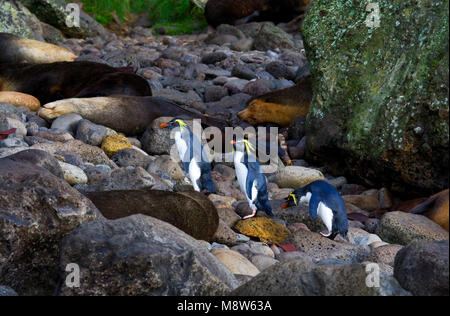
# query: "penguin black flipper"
{"points": [[340, 222], [258, 181], [314, 205], [206, 182], [328, 195]]}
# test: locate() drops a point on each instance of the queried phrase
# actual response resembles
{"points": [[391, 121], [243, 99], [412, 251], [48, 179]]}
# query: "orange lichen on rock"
{"points": [[113, 143], [263, 228]]}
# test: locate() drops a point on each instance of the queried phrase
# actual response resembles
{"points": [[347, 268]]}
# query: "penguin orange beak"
{"points": [[164, 125], [284, 205]]}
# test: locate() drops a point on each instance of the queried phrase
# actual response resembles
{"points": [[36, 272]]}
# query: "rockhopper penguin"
{"points": [[194, 158], [324, 201], [251, 180]]}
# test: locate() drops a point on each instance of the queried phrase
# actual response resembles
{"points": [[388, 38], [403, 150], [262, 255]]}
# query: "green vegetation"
{"points": [[176, 16]]}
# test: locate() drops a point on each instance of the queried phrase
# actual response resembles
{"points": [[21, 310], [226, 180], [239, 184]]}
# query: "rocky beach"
{"points": [[121, 207]]}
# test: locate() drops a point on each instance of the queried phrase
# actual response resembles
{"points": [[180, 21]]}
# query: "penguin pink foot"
{"points": [[250, 216], [329, 235]]}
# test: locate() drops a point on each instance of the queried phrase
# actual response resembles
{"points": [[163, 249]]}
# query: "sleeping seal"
{"points": [[237, 12], [280, 107], [63, 80], [126, 114], [14, 49], [435, 208]]}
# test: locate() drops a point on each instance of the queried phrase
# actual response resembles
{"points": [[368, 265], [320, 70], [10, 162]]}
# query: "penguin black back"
{"points": [[250, 178], [318, 194]]}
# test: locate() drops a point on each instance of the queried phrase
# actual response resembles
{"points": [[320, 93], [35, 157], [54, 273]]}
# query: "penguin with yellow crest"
{"points": [[195, 160], [251, 179]]}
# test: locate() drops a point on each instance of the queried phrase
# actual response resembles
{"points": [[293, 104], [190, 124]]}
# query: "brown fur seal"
{"points": [[14, 49], [219, 12], [126, 114], [435, 208], [236, 12], [191, 212], [57, 81], [279, 107]]}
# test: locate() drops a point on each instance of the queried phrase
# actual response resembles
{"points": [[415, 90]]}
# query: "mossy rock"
{"points": [[17, 19], [404, 228], [56, 13], [271, 37], [263, 228], [380, 105]]}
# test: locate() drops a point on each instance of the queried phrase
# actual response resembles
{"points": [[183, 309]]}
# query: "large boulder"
{"points": [[271, 37], [16, 19], [404, 228], [320, 248], [141, 255], [39, 158], [422, 268], [37, 210], [235, 262], [156, 140], [301, 277], [191, 212], [296, 177], [384, 254], [380, 106], [119, 179], [88, 153], [56, 13]]}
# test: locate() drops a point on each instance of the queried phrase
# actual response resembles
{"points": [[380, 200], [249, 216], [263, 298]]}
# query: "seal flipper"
{"points": [[424, 207]]}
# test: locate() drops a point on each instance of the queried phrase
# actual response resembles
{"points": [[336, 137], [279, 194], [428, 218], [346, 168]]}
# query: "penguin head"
{"points": [[242, 145], [176, 122], [302, 195]]}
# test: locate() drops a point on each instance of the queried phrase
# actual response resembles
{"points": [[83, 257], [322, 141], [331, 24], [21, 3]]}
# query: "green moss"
{"points": [[184, 27], [176, 16], [379, 80], [103, 10]]}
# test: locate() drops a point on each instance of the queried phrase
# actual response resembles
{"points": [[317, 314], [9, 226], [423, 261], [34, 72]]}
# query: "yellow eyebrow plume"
{"points": [[182, 124], [248, 146], [293, 196]]}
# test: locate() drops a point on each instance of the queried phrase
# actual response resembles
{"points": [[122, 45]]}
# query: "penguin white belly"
{"points": [[194, 174], [241, 172], [326, 214], [181, 145], [253, 196], [305, 199]]}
